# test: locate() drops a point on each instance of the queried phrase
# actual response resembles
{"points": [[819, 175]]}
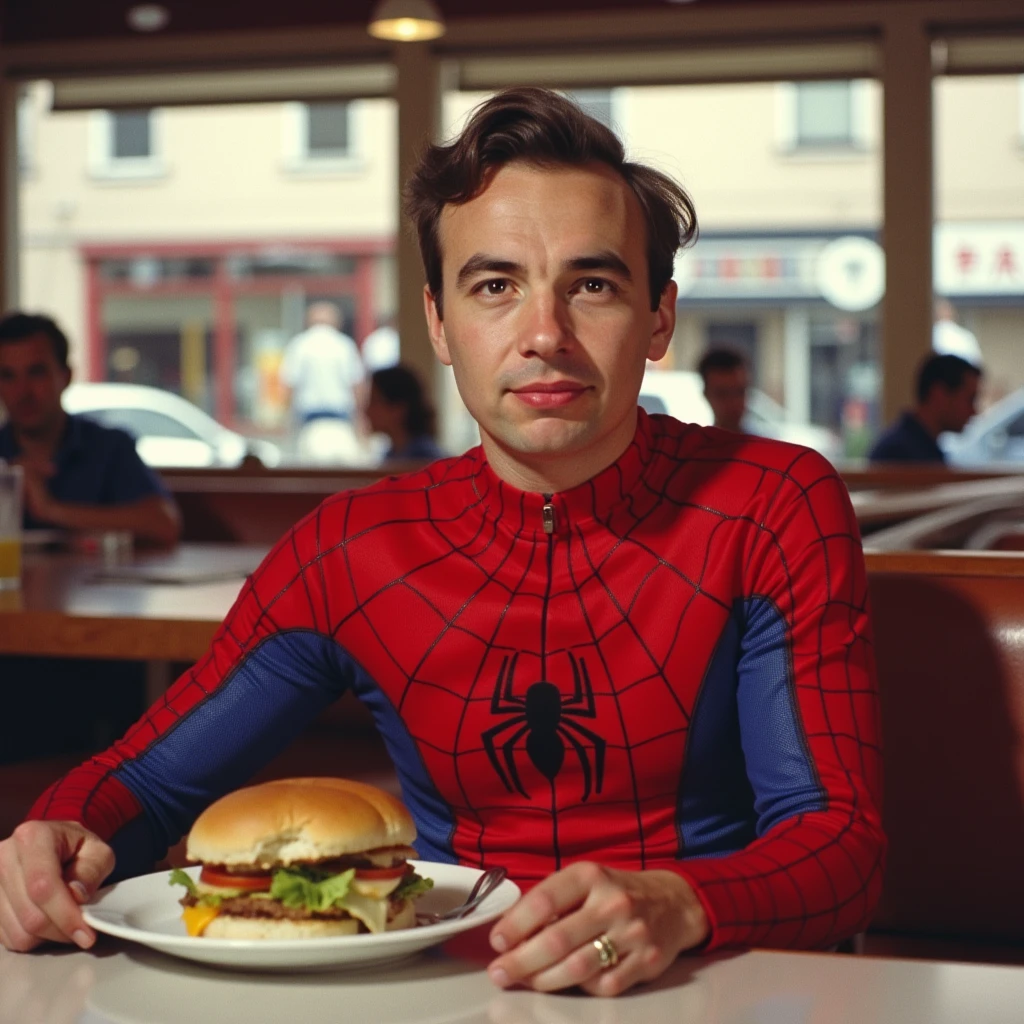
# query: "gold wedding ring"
{"points": [[607, 954]]}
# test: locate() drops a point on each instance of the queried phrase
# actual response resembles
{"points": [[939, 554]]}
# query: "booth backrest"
{"points": [[949, 638]]}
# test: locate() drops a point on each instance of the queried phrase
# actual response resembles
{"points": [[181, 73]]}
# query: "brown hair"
{"points": [[541, 127]]}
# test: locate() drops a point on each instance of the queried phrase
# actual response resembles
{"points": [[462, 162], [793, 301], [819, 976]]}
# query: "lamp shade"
{"points": [[406, 21]]}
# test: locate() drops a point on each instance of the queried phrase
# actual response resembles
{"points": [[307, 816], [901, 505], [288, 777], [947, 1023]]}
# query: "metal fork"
{"points": [[482, 888]]}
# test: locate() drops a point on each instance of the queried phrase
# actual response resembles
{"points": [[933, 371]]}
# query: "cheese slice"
{"points": [[375, 888], [373, 913], [198, 917]]}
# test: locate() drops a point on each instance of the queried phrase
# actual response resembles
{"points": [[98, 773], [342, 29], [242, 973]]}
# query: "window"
{"points": [[321, 136], [326, 129], [131, 136], [823, 116], [125, 144]]}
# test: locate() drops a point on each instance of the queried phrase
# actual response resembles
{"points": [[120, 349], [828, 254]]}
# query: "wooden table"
{"points": [[78, 605], [124, 983]]}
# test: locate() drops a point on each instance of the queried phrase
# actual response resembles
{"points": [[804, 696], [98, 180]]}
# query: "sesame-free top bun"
{"points": [[289, 820]]}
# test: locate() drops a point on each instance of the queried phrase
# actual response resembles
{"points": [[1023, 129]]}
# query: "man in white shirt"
{"points": [[322, 368], [325, 374]]}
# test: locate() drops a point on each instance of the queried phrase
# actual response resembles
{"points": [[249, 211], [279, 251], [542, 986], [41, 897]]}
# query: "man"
{"points": [[947, 394], [322, 368], [726, 379], [78, 475], [624, 659], [325, 374]]}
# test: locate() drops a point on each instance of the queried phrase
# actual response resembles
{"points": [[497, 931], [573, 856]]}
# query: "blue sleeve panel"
{"points": [[265, 703], [747, 764]]}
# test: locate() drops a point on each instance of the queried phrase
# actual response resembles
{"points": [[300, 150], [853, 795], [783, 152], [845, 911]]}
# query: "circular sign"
{"points": [[850, 273]]}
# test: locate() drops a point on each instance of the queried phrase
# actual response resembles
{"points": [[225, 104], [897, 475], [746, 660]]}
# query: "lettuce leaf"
{"points": [[309, 890], [179, 877], [412, 886]]}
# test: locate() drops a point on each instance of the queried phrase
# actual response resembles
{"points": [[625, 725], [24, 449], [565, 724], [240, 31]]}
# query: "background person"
{"points": [[612, 652], [324, 374], [947, 396], [79, 475], [398, 407], [726, 379]]}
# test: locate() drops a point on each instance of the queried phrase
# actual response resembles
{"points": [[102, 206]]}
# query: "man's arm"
{"points": [[154, 518], [272, 668], [809, 723]]}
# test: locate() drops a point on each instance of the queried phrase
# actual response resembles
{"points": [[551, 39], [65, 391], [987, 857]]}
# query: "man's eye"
{"points": [[597, 286], [495, 287]]}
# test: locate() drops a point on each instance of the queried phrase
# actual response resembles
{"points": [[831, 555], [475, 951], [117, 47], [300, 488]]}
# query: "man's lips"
{"points": [[549, 394]]}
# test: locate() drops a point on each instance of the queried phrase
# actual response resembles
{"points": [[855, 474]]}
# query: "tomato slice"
{"points": [[251, 883], [377, 873]]}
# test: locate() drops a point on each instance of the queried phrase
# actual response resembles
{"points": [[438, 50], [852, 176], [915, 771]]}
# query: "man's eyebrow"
{"points": [[481, 262], [604, 260]]}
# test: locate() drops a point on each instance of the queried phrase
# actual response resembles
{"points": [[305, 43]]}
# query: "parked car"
{"points": [[996, 436], [168, 429], [680, 393]]}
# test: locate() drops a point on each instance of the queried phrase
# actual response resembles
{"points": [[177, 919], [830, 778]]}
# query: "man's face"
{"points": [[31, 383], [547, 319], [726, 392], [959, 405]]}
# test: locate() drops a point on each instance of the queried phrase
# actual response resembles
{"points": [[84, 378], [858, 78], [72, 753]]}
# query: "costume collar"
{"points": [[596, 499]]}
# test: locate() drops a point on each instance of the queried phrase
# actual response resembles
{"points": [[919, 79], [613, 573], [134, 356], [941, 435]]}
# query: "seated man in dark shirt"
{"points": [[947, 393], [78, 475]]}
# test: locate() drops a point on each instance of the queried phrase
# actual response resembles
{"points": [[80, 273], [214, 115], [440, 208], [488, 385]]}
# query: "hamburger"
{"points": [[301, 858]]}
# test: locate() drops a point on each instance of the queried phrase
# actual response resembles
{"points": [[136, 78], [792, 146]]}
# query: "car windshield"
{"points": [[143, 423]]}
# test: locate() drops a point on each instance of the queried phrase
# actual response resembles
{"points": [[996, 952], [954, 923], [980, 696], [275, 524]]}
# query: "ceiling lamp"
{"points": [[406, 21]]}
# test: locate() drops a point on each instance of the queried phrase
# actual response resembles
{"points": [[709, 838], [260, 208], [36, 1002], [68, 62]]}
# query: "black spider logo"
{"points": [[545, 718]]}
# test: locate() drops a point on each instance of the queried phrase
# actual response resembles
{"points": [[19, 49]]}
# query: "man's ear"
{"points": [[435, 325], [664, 322]]}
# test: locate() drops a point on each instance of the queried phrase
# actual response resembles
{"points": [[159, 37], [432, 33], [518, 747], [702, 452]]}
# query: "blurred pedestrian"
{"points": [[398, 407], [947, 394], [726, 378], [325, 376]]}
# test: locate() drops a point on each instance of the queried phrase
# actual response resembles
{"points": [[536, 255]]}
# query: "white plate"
{"points": [[146, 910]]}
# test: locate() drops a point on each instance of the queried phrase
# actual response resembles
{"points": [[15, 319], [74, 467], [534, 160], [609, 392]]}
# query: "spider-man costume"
{"points": [[668, 666]]}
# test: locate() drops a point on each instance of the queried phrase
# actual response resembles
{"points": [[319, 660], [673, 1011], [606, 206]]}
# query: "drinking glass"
{"points": [[10, 526]]}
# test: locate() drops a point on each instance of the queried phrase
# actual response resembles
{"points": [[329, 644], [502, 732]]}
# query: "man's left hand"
{"points": [[550, 939]]}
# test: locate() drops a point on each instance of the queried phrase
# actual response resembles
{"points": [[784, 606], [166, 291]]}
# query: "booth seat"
{"points": [[949, 638]]}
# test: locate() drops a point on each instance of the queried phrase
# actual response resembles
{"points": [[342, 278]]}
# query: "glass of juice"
{"points": [[10, 526]]}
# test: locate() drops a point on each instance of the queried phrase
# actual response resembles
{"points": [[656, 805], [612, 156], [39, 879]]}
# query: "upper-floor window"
{"points": [[327, 130], [321, 136], [823, 116], [126, 144]]}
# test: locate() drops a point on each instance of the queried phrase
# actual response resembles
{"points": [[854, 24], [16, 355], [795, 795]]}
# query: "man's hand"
{"points": [[547, 940], [38, 499], [47, 869]]}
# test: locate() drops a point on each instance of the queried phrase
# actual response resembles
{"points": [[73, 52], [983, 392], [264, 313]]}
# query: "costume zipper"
{"points": [[547, 514]]}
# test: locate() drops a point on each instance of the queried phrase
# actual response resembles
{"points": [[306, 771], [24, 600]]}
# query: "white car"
{"points": [[680, 393], [995, 437], [168, 429]]}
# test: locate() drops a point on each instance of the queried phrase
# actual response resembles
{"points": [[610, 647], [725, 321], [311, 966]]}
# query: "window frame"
{"points": [[297, 157], [104, 165], [860, 140]]}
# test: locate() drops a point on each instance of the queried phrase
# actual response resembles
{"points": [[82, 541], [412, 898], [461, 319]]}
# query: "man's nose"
{"points": [[546, 328]]}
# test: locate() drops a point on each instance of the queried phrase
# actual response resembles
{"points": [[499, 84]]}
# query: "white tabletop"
{"points": [[124, 983]]}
